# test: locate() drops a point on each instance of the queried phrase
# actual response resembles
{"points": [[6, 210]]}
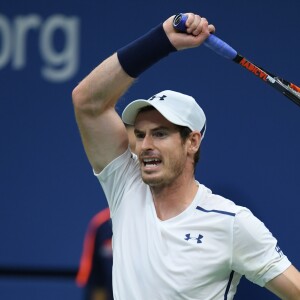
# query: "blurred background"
{"points": [[48, 192]]}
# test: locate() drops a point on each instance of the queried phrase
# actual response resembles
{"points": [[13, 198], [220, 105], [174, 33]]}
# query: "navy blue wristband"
{"points": [[145, 51]]}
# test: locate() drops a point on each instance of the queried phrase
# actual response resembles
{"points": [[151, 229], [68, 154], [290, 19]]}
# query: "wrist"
{"points": [[145, 51]]}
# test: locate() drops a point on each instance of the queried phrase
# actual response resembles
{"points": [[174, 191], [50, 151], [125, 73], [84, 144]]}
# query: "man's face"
{"points": [[160, 149]]}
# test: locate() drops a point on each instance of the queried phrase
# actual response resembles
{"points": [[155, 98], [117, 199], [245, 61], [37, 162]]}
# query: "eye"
{"points": [[139, 135], [160, 134]]}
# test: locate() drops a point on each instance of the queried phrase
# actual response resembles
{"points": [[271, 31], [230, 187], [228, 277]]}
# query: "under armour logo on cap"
{"points": [[160, 97]]}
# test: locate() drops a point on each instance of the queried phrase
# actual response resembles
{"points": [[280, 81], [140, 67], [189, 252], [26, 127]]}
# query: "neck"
{"points": [[171, 200]]}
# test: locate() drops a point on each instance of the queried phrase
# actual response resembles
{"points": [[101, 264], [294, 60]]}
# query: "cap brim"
{"points": [[131, 110]]}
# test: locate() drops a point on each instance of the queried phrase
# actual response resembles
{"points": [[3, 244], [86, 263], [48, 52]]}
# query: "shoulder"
{"points": [[216, 203]]}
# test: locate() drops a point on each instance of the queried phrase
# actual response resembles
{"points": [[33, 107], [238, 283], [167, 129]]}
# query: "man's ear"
{"points": [[194, 140]]}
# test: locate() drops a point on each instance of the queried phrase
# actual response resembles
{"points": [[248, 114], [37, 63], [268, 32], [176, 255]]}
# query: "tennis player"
{"points": [[172, 237]]}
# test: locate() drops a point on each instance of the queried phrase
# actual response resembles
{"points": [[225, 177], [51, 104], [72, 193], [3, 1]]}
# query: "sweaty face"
{"points": [[161, 152]]}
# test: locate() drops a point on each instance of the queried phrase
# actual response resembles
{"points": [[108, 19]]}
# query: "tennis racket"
{"points": [[290, 90]]}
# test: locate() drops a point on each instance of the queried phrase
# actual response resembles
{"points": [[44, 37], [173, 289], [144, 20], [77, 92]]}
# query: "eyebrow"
{"points": [[155, 129]]}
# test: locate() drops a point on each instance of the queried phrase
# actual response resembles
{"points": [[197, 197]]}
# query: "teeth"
{"points": [[151, 160]]}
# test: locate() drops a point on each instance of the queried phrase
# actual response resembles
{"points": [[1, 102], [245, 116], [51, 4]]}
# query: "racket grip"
{"points": [[212, 42]]}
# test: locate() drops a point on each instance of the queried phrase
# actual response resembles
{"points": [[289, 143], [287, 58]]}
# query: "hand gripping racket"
{"points": [[287, 88]]}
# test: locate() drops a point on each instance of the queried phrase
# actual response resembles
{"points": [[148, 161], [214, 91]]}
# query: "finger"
{"points": [[202, 27], [197, 25], [190, 19], [211, 28], [192, 22]]}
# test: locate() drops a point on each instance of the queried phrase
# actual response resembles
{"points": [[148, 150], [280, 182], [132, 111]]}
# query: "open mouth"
{"points": [[151, 162]]}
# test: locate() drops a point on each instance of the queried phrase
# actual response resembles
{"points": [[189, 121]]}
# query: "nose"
{"points": [[147, 143]]}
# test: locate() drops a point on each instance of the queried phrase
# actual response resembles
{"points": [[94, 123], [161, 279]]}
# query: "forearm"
{"points": [[107, 82], [287, 285]]}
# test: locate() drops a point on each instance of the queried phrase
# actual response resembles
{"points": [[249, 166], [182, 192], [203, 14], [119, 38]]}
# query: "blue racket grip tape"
{"points": [[212, 42]]}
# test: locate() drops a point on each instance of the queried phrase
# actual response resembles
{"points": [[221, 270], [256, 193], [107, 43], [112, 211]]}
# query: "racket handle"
{"points": [[212, 42]]}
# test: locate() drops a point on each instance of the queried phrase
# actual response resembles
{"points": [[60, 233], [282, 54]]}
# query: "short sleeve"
{"points": [[256, 253]]}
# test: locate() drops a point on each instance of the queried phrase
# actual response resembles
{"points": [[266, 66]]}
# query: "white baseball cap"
{"points": [[177, 108]]}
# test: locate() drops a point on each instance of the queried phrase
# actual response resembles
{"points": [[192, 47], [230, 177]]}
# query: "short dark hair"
{"points": [[184, 132]]}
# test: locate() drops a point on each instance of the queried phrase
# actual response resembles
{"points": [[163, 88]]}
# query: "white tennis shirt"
{"points": [[199, 254]]}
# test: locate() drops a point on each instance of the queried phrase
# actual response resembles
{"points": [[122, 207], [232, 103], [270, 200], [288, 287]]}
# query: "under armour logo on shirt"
{"points": [[189, 237], [277, 248], [160, 97]]}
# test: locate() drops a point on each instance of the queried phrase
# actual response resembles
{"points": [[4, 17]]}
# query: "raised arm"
{"points": [[102, 131]]}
